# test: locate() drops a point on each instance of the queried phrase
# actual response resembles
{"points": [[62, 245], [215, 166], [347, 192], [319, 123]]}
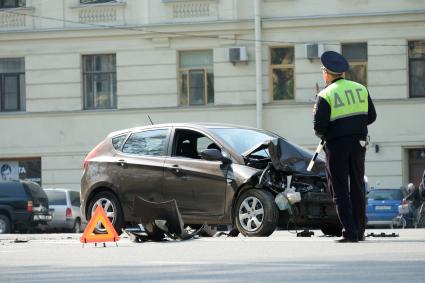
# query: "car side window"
{"points": [[12, 190], [190, 144], [151, 142], [74, 198], [204, 143], [118, 141]]}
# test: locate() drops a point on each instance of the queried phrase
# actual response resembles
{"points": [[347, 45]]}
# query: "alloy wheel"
{"points": [[251, 214]]}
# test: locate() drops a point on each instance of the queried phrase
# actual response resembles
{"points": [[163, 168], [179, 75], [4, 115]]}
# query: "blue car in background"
{"points": [[382, 206]]}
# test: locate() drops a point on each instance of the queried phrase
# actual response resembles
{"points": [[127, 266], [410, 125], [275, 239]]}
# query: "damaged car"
{"points": [[218, 174]]}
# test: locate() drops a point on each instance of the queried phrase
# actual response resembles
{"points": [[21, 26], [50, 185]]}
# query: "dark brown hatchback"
{"points": [[217, 173]]}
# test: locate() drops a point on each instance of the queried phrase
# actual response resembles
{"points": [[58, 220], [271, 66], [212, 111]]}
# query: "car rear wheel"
{"points": [[112, 208], [256, 213], [4, 224], [77, 226], [331, 230]]}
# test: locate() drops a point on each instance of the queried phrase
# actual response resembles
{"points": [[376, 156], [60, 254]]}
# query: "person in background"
{"points": [[414, 198]]}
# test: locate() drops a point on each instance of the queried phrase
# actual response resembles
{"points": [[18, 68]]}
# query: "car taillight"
{"points": [[90, 155], [68, 213], [29, 206]]}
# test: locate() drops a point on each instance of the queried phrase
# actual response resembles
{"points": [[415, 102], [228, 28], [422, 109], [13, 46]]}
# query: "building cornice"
{"points": [[124, 111], [182, 29]]}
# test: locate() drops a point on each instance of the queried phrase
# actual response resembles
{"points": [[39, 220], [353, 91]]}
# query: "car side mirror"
{"points": [[214, 155]]}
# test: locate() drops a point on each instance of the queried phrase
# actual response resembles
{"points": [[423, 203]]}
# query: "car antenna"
{"points": [[149, 119]]}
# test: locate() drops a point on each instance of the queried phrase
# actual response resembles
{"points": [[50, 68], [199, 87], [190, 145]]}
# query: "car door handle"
{"points": [[176, 168], [122, 163]]}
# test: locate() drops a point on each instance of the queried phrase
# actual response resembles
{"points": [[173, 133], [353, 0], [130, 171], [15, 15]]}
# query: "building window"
{"points": [[282, 72], [7, 4], [12, 84], [99, 81], [417, 68], [95, 1], [356, 55], [196, 77]]}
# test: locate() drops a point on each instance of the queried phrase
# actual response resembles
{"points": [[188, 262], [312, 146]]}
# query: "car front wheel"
{"points": [[256, 214], [112, 208]]}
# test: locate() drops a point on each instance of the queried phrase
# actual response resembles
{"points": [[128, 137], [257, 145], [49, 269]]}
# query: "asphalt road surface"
{"points": [[282, 257]]}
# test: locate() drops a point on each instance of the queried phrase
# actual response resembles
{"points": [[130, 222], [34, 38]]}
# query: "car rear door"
{"points": [[140, 166], [198, 185]]}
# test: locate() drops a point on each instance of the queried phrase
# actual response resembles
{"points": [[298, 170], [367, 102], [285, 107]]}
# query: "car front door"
{"points": [[140, 163], [198, 186]]}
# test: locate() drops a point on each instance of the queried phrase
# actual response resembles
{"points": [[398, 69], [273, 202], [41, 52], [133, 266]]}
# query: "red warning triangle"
{"points": [[90, 237]]}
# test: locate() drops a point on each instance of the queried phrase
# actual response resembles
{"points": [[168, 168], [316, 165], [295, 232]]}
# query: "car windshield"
{"points": [[390, 194], [242, 139]]}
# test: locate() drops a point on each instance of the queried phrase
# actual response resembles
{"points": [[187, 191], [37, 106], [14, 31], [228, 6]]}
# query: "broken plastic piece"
{"points": [[305, 233]]}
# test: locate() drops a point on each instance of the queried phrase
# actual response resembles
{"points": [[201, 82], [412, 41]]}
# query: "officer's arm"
{"points": [[410, 196], [371, 114], [322, 116]]}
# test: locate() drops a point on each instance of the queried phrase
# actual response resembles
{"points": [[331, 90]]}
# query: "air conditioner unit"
{"points": [[314, 50], [237, 54]]}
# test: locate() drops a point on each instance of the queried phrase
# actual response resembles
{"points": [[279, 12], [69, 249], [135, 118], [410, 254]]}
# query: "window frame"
{"points": [[112, 75], [358, 62], [186, 71], [273, 67], [20, 92], [410, 60]]}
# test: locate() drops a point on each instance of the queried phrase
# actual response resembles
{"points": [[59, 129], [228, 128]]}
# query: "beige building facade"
{"points": [[72, 71]]}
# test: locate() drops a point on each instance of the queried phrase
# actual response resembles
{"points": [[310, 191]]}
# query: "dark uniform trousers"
{"points": [[345, 159]]}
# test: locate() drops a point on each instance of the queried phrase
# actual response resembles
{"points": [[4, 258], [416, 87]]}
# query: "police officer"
{"points": [[343, 110]]}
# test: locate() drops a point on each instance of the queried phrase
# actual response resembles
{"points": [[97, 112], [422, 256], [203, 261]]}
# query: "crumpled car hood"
{"points": [[289, 157]]}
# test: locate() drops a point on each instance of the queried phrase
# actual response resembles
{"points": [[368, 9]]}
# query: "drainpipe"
{"points": [[258, 64]]}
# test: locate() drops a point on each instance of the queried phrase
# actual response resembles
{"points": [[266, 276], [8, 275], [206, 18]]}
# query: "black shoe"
{"points": [[346, 240], [361, 238]]}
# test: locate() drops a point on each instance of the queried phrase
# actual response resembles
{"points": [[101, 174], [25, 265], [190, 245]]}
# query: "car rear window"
{"points": [[56, 197], [385, 194], [35, 190], [12, 190]]}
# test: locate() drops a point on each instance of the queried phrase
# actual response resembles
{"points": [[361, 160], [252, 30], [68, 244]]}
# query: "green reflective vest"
{"points": [[346, 98]]}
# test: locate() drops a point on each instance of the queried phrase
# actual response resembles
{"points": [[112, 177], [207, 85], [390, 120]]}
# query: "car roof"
{"points": [[59, 189], [197, 125]]}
